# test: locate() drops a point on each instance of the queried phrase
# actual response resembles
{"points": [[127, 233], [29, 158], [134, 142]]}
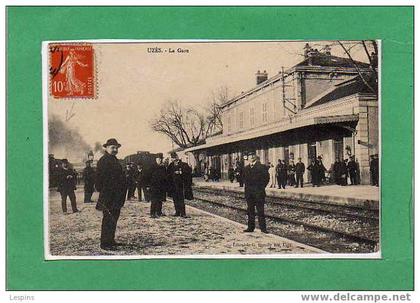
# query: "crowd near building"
{"points": [[322, 107]]}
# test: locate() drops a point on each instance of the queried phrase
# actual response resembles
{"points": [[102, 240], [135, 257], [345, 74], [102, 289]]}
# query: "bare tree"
{"points": [[188, 126], [372, 56], [214, 109], [185, 126]]}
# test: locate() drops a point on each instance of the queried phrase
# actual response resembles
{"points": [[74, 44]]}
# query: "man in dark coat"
{"points": [[66, 186], [322, 170], [300, 170], [146, 182], [111, 184], [343, 172], [357, 172], [281, 171], [336, 171], [180, 182], [231, 174], [374, 170], [278, 174], [256, 178], [158, 186], [352, 170], [377, 169], [89, 180], [315, 170]]}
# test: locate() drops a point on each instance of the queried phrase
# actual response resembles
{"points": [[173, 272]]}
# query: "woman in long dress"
{"points": [[72, 85]]}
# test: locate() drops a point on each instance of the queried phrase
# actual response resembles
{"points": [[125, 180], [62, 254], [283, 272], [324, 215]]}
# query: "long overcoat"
{"points": [[110, 182], [180, 180], [158, 182], [89, 178], [256, 179], [67, 179]]}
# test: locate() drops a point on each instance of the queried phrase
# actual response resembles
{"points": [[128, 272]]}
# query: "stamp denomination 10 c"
{"points": [[71, 68]]}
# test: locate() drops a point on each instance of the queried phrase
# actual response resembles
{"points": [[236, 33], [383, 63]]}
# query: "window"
{"points": [[264, 112], [252, 116], [241, 120]]}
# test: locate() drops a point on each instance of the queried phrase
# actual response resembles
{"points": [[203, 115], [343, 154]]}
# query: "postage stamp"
{"points": [[71, 71]]}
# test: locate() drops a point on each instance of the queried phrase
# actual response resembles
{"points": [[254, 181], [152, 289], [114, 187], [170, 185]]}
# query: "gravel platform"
{"points": [[201, 234]]}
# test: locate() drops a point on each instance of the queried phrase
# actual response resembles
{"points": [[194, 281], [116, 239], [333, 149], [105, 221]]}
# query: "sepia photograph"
{"points": [[211, 149]]}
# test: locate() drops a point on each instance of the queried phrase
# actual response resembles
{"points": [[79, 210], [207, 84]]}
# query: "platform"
{"points": [[202, 234], [363, 196]]}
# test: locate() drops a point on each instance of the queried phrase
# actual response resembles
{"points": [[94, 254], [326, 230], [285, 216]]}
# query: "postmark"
{"points": [[71, 71]]}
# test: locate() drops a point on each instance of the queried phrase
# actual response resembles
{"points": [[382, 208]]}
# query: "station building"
{"points": [[323, 106]]}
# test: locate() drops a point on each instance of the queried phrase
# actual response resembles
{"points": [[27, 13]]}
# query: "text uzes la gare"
{"points": [[159, 50]]}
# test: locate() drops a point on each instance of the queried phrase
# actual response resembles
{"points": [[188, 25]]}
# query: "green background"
{"points": [[28, 26]]}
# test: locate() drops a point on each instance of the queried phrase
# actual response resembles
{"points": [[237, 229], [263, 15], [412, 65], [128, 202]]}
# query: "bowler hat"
{"points": [[65, 161], [112, 141], [174, 155], [252, 153], [159, 155]]}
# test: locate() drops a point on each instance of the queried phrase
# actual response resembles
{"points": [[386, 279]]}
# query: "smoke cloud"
{"points": [[66, 142], [98, 147]]}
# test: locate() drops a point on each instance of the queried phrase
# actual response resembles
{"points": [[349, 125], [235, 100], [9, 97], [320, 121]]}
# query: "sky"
{"points": [[133, 85]]}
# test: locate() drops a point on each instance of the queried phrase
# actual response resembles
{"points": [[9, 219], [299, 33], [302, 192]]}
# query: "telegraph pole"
{"points": [[286, 101]]}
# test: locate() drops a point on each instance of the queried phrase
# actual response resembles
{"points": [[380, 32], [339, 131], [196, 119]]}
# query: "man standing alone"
{"points": [[67, 185], [111, 184], [89, 179], [256, 178], [300, 170]]}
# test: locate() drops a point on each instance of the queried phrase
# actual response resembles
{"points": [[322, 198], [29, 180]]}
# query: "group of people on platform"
{"points": [[341, 172], [256, 177], [174, 179], [284, 174], [116, 185]]}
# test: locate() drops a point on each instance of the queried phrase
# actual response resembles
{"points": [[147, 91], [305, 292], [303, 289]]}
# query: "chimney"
{"points": [[306, 50], [327, 49], [311, 54], [261, 76]]}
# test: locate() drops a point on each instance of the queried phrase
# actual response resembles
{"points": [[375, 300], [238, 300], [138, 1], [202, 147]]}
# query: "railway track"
{"points": [[349, 211], [300, 222]]}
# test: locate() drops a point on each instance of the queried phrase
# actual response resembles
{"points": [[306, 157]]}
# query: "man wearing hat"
{"points": [[300, 170], [67, 179], [89, 179], [111, 184], [158, 186], [256, 178], [179, 181]]}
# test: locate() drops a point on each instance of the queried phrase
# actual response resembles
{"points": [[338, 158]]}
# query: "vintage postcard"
{"points": [[211, 149]]}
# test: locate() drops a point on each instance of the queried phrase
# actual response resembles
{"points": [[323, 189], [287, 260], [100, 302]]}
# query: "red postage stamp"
{"points": [[71, 71]]}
